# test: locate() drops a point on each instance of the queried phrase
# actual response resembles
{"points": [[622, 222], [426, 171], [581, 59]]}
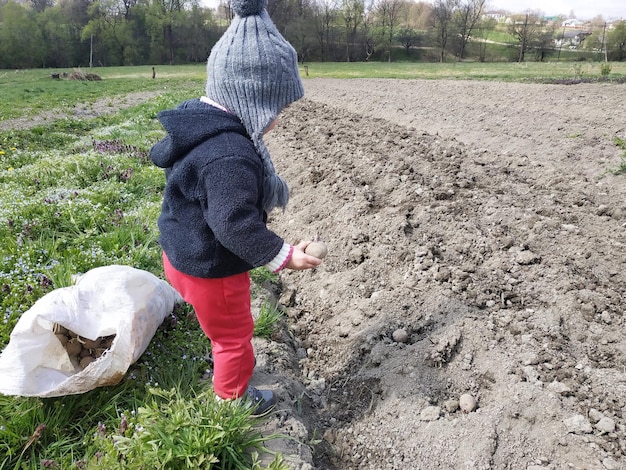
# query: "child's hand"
{"points": [[300, 260]]}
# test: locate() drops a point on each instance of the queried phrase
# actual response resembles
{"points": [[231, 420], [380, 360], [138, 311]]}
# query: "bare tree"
{"points": [[39, 5], [526, 29], [418, 15], [466, 18], [544, 43], [351, 14], [616, 42], [324, 18], [302, 31], [164, 20], [408, 37], [484, 27], [372, 36], [595, 42], [390, 14], [283, 12], [441, 21]]}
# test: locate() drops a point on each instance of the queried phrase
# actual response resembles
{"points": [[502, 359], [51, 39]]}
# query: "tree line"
{"points": [[79, 33]]}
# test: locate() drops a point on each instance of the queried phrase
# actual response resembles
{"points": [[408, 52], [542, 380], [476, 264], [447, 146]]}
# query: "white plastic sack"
{"points": [[111, 300]]}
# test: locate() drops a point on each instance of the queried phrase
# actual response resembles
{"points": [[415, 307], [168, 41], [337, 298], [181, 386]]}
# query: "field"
{"points": [[487, 221], [502, 71], [476, 233]]}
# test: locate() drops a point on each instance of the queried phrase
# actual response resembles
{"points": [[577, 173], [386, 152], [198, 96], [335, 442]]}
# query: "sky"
{"points": [[583, 9]]}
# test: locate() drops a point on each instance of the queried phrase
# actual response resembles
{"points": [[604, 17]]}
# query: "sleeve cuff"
{"points": [[281, 259]]}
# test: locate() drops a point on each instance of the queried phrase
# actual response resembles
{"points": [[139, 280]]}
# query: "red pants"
{"points": [[222, 306]]}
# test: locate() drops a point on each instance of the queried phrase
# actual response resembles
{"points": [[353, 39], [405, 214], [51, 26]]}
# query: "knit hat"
{"points": [[253, 72]]}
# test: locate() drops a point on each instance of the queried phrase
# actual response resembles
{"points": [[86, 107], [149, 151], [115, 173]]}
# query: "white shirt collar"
{"points": [[207, 100]]}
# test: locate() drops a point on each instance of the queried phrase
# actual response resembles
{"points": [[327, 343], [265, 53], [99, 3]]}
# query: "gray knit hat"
{"points": [[253, 72]]}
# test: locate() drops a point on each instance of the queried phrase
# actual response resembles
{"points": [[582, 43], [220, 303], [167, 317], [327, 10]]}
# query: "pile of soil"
{"points": [[476, 235]]}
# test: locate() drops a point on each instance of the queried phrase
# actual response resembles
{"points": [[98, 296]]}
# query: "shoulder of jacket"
{"points": [[226, 145]]}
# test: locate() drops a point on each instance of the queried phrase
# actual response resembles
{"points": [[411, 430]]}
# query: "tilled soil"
{"points": [[476, 235]]}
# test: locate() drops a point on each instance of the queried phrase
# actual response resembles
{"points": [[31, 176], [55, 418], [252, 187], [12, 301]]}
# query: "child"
{"points": [[220, 186]]}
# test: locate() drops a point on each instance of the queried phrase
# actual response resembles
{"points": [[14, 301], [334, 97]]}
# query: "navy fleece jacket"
{"points": [[212, 223]]}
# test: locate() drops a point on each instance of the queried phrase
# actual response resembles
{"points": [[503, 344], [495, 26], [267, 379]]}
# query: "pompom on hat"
{"points": [[253, 72]]}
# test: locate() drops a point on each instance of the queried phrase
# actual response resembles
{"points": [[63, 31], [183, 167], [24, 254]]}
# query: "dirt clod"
{"points": [[400, 336], [467, 403]]}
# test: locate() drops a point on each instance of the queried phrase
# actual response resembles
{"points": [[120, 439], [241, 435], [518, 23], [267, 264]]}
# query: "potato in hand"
{"points": [[317, 248]]}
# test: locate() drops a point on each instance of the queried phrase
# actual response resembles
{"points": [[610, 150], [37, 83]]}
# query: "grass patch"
{"points": [[76, 194], [28, 92], [500, 71], [268, 320], [171, 431]]}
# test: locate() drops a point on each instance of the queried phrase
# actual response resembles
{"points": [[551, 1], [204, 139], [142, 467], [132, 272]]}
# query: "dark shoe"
{"points": [[260, 400]]}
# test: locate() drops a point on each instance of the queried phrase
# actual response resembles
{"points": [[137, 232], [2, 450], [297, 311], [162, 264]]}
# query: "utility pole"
{"points": [[561, 44]]}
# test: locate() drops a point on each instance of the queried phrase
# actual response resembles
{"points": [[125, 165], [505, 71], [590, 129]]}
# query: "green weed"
{"points": [[262, 276], [173, 431], [268, 321], [621, 168]]}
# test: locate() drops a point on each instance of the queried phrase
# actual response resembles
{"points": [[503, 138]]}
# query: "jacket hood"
{"points": [[188, 125]]}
